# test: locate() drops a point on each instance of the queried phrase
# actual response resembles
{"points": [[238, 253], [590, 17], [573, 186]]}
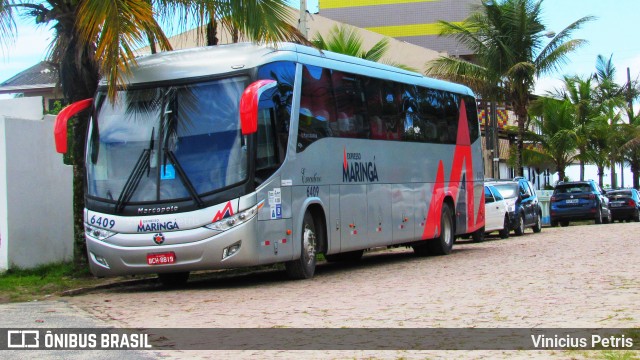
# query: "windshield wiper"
{"points": [[130, 186], [183, 177]]}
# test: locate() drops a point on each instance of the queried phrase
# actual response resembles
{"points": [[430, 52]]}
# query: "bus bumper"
{"points": [[129, 254]]}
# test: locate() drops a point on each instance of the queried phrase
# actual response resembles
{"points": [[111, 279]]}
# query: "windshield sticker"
{"points": [[167, 172], [275, 203]]}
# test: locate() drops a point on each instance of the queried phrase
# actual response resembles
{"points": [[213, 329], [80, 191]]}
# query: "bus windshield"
{"points": [[167, 143]]}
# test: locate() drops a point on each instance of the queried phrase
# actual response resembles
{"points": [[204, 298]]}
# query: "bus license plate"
{"points": [[161, 259]]}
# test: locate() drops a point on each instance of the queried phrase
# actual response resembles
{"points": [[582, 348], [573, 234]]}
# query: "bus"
{"points": [[242, 155]]}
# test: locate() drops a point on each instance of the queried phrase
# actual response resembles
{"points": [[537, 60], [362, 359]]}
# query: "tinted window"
{"points": [[572, 188], [274, 116], [488, 196]]}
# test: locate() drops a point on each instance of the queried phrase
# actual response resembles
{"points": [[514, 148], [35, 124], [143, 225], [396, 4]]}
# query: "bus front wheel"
{"points": [[305, 266]]}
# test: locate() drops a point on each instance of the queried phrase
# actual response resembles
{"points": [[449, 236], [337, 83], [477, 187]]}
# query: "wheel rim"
{"points": [[446, 231], [538, 221], [309, 243], [600, 215]]}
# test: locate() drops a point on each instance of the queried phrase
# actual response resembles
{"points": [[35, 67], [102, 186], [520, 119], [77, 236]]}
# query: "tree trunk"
{"points": [[581, 170], [635, 170], [520, 143], [601, 176], [78, 72], [614, 178], [212, 32]]}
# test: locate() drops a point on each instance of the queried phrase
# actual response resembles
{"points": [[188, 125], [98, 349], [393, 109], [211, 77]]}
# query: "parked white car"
{"points": [[496, 212]]}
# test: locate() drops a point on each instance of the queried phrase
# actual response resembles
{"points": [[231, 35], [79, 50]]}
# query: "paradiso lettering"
{"points": [[358, 171], [155, 226]]}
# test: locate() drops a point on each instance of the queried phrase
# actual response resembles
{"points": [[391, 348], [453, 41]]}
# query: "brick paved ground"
{"points": [[580, 276]]}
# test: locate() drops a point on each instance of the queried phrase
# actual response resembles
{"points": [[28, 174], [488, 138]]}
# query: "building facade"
{"points": [[412, 21]]}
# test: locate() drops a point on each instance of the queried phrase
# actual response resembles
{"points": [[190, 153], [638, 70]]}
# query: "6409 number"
{"points": [[102, 221]]}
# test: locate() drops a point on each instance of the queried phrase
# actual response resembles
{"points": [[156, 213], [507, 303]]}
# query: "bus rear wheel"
{"points": [[305, 266], [443, 244]]}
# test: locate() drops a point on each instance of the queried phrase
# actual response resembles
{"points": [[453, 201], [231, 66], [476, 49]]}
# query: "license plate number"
{"points": [[616, 204], [572, 201], [161, 259]]}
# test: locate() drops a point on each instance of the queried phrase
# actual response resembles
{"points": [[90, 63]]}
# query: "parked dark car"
{"points": [[522, 202], [624, 204], [579, 200]]}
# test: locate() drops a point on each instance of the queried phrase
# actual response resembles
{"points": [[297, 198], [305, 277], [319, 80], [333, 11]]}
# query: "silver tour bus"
{"points": [[242, 155]]}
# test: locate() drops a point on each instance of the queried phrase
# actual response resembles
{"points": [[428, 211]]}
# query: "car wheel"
{"points": [[519, 230], [564, 223], [504, 233], [173, 280], [599, 216], [305, 266], [537, 227], [636, 216], [478, 235], [607, 219]]}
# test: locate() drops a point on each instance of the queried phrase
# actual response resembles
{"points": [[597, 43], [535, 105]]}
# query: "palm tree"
{"points": [[579, 91], [345, 39], [556, 121], [510, 45], [95, 38], [611, 98]]}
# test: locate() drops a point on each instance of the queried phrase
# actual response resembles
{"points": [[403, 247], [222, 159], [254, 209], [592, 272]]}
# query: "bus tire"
{"points": [[173, 280], [478, 235], [305, 266], [443, 244]]}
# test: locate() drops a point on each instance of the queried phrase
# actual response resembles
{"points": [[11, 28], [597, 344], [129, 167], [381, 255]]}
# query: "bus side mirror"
{"points": [[60, 127], [249, 105]]}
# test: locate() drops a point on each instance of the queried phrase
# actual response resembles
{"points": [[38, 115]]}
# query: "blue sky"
{"points": [[614, 32]]}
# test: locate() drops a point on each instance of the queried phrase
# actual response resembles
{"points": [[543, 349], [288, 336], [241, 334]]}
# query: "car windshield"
{"points": [[573, 189], [166, 143], [508, 190]]}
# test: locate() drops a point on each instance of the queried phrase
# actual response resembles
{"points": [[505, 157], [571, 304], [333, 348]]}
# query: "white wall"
{"points": [[35, 189]]}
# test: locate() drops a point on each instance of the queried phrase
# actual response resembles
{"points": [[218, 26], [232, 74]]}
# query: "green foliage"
{"points": [[31, 284], [57, 107], [511, 48], [345, 39]]}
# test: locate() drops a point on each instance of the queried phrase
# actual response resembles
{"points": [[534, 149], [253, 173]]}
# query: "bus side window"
{"points": [[431, 112], [349, 99], [273, 118], [317, 117]]}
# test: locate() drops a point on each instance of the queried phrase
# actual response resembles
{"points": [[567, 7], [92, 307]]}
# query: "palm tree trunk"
{"points": [[635, 170], [521, 115], [614, 178], [581, 170], [601, 175]]}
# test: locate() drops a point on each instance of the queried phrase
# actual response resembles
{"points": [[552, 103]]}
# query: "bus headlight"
{"points": [[234, 220], [97, 233]]}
